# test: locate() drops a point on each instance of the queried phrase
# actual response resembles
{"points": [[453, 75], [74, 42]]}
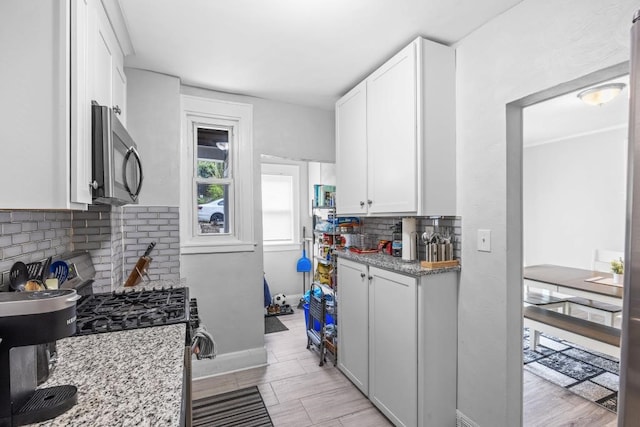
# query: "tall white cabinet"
{"points": [[395, 136], [398, 341]]}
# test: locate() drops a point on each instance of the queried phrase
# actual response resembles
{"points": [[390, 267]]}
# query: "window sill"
{"points": [[281, 247], [208, 248]]}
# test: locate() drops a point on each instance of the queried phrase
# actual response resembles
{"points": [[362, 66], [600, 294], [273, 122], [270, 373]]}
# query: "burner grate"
{"points": [[111, 312]]}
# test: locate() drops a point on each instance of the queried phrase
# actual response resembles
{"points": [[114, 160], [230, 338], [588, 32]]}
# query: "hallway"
{"points": [[299, 393]]}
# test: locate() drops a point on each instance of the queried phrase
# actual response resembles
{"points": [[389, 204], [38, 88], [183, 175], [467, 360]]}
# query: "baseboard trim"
{"points": [[229, 362], [463, 421]]}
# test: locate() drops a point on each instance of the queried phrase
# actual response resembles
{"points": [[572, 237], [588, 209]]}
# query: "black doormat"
{"points": [[273, 324], [582, 371], [237, 408]]}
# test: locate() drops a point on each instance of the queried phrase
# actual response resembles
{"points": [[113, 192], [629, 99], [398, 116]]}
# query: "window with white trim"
{"points": [[280, 204], [217, 178]]}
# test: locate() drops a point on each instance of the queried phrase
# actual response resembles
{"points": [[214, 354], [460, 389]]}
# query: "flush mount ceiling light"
{"points": [[601, 94], [224, 146]]}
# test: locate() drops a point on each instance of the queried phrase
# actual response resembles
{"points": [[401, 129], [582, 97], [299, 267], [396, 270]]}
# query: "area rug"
{"points": [[273, 324], [236, 408], [585, 372]]}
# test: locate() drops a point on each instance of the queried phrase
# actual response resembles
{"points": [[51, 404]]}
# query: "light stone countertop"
{"points": [[126, 378], [396, 264]]}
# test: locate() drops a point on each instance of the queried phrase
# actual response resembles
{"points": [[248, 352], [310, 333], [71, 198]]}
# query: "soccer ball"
{"points": [[280, 299]]}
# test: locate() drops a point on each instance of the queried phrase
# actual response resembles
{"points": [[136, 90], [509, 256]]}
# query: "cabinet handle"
{"points": [[369, 202], [94, 184], [370, 278], [363, 275], [361, 204], [117, 110]]}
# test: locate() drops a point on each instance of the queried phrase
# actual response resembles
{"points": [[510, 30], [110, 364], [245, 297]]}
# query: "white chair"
{"points": [[602, 259]]}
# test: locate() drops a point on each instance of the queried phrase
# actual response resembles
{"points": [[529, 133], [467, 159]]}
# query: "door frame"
{"points": [[514, 193]]}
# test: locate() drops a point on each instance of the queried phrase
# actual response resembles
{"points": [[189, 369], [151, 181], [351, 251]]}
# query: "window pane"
{"points": [[213, 208], [213, 153], [277, 208]]}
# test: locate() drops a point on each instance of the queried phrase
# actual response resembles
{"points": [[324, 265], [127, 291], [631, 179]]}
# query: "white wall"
{"points": [[531, 47], [153, 120], [574, 198], [228, 286]]}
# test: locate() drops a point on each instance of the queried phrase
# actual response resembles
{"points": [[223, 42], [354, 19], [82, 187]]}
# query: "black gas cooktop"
{"points": [[118, 311]]}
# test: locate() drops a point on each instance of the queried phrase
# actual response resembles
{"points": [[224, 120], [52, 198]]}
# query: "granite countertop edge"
{"points": [[396, 264]]}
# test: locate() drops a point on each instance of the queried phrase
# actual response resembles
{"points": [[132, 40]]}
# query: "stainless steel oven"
{"points": [[116, 164]]}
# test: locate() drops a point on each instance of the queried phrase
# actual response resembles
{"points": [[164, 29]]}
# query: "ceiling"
{"points": [[306, 52], [567, 117]]}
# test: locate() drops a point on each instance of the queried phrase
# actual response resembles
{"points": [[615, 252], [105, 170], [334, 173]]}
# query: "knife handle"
{"points": [[149, 249]]}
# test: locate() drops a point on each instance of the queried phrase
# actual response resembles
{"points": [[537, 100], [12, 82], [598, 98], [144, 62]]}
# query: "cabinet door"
{"points": [[80, 103], [102, 56], [351, 149], [109, 82], [393, 345], [392, 135], [353, 314], [119, 98]]}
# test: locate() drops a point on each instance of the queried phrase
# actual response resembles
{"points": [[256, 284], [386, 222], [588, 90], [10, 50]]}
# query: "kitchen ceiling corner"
{"points": [[303, 52]]}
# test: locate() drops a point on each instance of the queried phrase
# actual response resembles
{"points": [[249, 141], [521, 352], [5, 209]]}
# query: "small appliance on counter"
{"points": [[26, 320]]}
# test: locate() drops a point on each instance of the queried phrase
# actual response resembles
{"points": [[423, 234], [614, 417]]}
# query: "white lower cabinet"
{"points": [[398, 341], [393, 345], [353, 312]]}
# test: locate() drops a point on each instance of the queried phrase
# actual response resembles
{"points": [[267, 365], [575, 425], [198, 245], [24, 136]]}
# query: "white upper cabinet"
{"points": [[391, 130], [80, 143], [398, 155], [351, 151], [50, 66], [109, 80]]}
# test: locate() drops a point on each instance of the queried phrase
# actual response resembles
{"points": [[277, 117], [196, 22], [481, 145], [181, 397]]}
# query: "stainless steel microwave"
{"points": [[116, 165]]}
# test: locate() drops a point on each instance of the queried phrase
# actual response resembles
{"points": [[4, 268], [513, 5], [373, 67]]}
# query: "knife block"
{"points": [[138, 271]]}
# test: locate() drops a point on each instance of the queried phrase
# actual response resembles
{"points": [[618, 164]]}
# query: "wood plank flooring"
{"points": [[299, 393]]}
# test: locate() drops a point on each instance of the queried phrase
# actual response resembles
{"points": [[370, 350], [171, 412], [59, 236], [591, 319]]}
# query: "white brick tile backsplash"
{"points": [[115, 237]]}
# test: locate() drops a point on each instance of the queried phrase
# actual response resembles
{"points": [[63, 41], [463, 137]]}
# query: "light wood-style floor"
{"points": [[299, 393]]}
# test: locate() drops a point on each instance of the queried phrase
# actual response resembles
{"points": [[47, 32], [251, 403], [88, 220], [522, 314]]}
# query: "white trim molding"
{"points": [[197, 110]]}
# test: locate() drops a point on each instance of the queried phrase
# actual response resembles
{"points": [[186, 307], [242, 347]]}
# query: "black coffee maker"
{"points": [[54, 314]]}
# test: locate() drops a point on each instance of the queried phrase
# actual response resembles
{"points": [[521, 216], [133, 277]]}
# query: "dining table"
{"points": [[590, 284]]}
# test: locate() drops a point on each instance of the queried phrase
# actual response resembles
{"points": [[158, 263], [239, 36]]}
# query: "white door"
{"points": [[353, 315], [393, 345], [392, 135], [351, 152]]}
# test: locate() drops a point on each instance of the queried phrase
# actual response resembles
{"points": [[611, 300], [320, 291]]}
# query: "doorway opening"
{"points": [[561, 210]]}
